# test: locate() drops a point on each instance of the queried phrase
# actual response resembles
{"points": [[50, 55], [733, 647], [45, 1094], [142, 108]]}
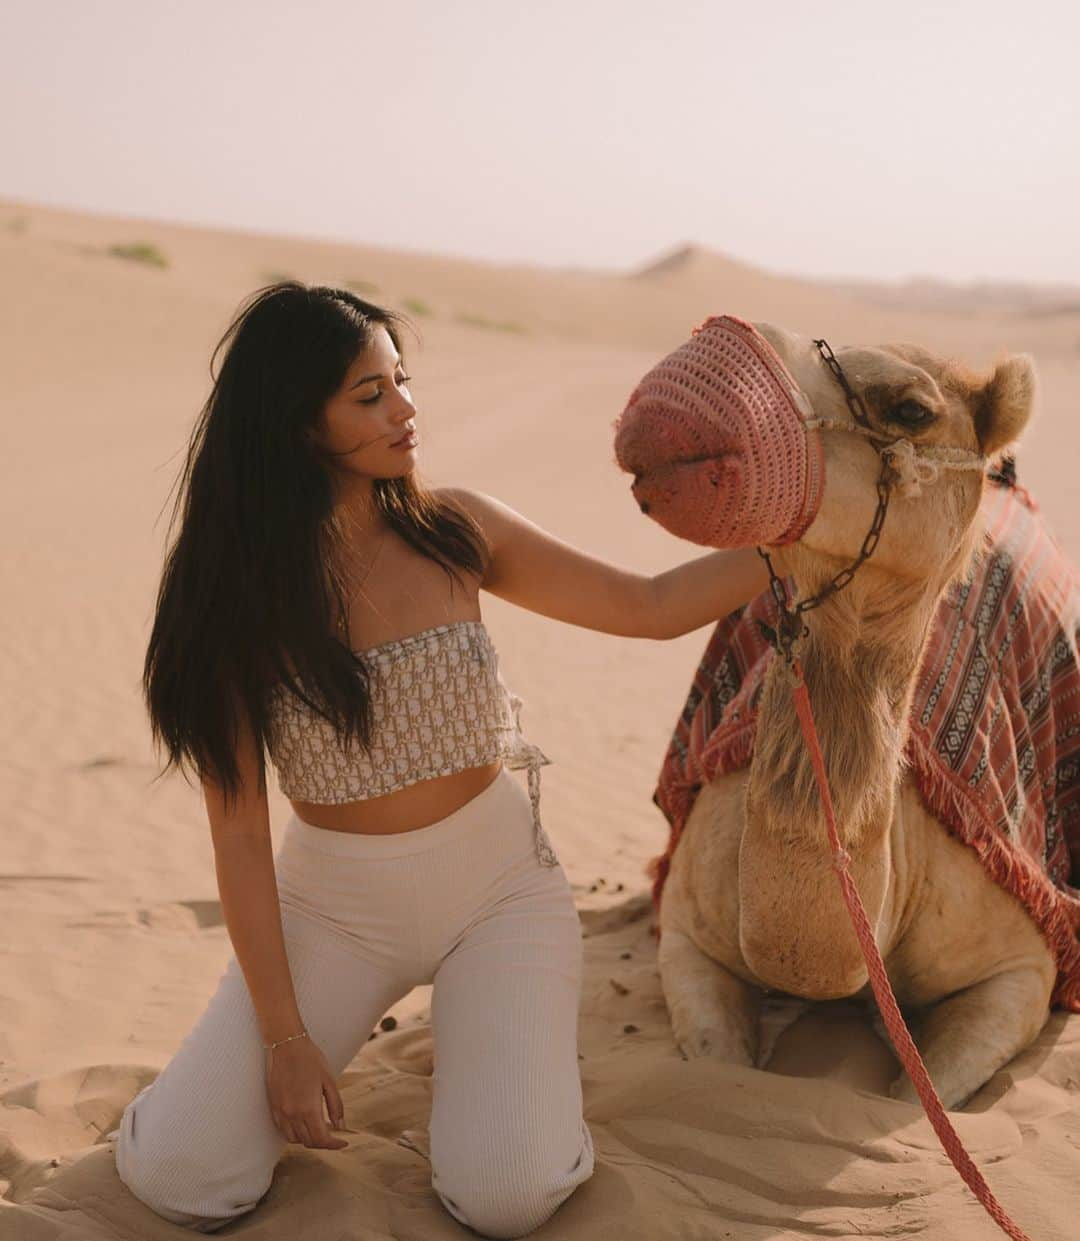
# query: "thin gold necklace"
{"points": [[342, 625]]}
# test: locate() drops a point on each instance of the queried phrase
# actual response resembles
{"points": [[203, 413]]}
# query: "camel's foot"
{"points": [[712, 1012], [967, 1037]]}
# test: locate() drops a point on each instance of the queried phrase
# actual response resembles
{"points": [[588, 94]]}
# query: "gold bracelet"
{"points": [[271, 1046]]}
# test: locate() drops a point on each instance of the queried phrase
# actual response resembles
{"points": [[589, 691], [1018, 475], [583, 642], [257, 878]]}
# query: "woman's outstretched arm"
{"points": [[537, 571]]}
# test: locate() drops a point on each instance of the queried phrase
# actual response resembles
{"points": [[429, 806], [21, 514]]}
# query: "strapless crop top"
{"points": [[439, 705]]}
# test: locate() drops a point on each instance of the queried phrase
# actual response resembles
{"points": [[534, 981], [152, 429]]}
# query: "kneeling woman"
{"points": [[318, 601]]}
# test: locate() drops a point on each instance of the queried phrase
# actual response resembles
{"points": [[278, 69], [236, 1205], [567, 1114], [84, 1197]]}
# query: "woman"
{"points": [[321, 603]]}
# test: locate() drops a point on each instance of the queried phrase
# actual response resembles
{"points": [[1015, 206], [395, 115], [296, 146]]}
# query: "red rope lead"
{"points": [[883, 992]]}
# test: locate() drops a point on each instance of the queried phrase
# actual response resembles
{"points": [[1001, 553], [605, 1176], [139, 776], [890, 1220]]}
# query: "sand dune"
{"points": [[114, 935]]}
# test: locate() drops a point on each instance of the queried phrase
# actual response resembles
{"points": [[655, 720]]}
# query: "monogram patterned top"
{"points": [[439, 705]]}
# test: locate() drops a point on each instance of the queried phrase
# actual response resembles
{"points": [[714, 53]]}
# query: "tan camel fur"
{"points": [[751, 901]]}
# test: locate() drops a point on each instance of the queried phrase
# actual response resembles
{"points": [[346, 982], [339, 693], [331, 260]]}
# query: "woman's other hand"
{"points": [[298, 1079]]}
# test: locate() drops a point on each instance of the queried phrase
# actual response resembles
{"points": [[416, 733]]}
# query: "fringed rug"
{"points": [[994, 737]]}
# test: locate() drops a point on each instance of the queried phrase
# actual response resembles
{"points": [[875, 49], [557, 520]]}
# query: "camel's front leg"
{"points": [[713, 1013], [968, 1036]]}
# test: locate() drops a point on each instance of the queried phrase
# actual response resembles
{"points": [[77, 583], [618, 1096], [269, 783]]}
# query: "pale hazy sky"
{"points": [[828, 137]]}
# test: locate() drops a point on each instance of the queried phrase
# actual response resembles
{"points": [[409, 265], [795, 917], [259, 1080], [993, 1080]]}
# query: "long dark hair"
{"points": [[246, 593]]}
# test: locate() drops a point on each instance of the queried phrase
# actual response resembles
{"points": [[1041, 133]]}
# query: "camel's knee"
{"points": [[509, 1190], [712, 1012], [179, 1178], [966, 1037]]}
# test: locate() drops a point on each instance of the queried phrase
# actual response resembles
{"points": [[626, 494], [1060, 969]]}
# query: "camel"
{"points": [[750, 902]]}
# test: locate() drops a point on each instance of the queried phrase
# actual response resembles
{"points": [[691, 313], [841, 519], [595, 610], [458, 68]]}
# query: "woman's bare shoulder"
{"points": [[463, 497], [484, 509]]}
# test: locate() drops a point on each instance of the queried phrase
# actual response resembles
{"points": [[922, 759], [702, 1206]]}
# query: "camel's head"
{"points": [[724, 442]]}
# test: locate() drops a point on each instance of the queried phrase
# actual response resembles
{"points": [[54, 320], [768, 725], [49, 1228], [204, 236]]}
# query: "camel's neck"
{"points": [[860, 661]]}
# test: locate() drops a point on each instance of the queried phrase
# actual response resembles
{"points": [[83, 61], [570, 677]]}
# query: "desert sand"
{"points": [[113, 936]]}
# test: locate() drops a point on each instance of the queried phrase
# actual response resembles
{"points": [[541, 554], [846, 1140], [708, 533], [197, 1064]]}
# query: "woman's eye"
{"points": [[910, 414], [399, 382]]}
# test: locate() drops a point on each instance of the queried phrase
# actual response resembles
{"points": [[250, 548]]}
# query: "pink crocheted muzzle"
{"points": [[716, 438]]}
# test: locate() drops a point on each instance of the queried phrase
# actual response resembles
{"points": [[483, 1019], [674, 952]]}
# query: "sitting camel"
{"points": [[874, 458]]}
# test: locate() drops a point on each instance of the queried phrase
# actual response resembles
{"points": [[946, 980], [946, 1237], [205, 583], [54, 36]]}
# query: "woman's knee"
{"points": [[504, 1211], [182, 1179], [509, 1192]]}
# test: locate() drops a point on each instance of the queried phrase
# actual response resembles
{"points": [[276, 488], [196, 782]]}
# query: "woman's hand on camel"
{"points": [[297, 1080]]}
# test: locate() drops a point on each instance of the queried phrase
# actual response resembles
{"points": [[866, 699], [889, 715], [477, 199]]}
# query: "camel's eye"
{"points": [[911, 414]]}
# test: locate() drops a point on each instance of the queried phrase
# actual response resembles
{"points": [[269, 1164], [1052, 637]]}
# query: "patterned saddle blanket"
{"points": [[994, 732]]}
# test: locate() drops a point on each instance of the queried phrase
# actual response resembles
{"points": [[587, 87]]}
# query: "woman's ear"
{"points": [[1005, 403]]}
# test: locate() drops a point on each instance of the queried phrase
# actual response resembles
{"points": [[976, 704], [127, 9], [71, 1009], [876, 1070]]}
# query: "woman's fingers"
{"points": [[318, 1136], [283, 1125], [334, 1105], [317, 1127]]}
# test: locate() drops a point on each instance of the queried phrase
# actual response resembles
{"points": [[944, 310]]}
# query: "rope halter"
{"points": [[913, 467]]}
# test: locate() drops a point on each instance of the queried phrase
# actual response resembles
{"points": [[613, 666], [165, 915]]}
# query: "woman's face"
{"points": [[369, 424]]}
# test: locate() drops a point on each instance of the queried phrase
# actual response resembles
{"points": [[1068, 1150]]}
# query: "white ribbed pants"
{"points": [[463, 904]]}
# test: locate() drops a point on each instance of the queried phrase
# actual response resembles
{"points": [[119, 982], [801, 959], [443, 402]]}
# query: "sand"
{"points": [[114, 936]]}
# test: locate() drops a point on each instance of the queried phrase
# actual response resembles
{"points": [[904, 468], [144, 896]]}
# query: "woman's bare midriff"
{"points": [[405, 810]]}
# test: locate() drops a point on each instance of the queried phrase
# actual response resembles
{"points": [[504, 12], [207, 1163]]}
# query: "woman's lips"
{"points": [[409, 440]]}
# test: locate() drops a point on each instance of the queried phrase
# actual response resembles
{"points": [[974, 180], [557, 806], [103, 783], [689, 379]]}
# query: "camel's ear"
{"points": [[1005, 404]]}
